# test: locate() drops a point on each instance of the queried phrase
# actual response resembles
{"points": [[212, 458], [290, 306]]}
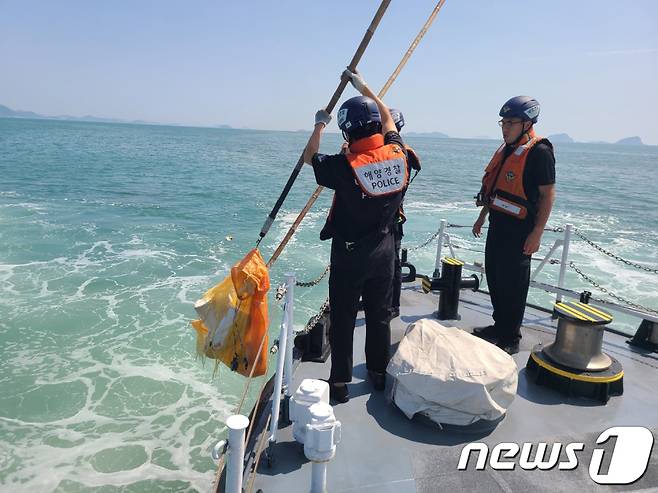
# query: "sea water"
{"points": [[109, 233]]}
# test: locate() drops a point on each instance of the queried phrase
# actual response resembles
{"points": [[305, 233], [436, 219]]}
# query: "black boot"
{"points": [[338, 392], [378, 379], [509, 347], [488, 333]]}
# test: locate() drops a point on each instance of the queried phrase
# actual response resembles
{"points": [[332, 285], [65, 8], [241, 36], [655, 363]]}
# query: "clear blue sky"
{"points": [[593, 65]]}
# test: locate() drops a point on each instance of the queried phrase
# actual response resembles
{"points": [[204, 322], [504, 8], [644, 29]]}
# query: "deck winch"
{"points": [[575, 363], [448, 286]]}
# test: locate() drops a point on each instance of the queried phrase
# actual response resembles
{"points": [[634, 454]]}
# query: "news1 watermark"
{"points": [[628, 460]]}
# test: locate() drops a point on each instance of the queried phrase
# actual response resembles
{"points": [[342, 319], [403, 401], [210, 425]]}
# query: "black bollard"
{"points": [[411, 275], [451, 274], [450, 283], [585, 296]]}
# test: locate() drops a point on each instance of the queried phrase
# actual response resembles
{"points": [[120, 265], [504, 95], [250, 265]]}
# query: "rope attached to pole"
{"points": [[382, 92]]}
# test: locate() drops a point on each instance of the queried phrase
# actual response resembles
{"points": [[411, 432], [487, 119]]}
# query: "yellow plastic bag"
{"points": [[234, 319]]}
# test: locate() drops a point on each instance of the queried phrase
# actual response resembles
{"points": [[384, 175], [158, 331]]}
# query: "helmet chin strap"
{"points": [[524, 132], [346, 137]]}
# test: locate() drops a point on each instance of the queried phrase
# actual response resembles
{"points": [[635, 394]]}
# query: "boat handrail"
{"points": [[444, 239]]}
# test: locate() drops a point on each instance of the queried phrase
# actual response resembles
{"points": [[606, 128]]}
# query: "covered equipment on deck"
{"points": [[450, 376]]}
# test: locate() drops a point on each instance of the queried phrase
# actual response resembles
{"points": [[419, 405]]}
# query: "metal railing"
{"points": [[443, 239]]}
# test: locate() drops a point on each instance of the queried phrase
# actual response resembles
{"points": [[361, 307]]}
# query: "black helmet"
{"points": [[356, 113], [523, 107], [398, 118]]}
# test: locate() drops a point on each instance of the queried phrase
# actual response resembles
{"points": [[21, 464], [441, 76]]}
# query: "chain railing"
{"points": [[425, 243], [614, 255], [316, 318], [610, 293], [557, 229], [462, 247], [314, 282]]}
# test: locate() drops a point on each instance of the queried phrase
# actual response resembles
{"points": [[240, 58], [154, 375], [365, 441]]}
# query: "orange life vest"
{"points": [[370, 158], [502, 184], [380, 169]]}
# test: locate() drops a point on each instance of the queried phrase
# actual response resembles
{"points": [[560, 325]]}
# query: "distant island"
{"points": [[630, 141], [560, 138], [566, 139], [6, 112]]}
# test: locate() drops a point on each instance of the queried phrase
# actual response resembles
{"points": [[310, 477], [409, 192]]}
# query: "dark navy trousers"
{"points": [[364, 272], [508, 279]]}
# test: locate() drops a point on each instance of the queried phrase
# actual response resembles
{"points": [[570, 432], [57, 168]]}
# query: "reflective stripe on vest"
{"points": [[379, 169]]}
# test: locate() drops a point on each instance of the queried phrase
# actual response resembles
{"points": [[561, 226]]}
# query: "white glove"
{"points": [[322, 117], [356, 79]]}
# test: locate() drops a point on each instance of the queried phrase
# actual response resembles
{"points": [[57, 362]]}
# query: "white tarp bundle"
{"points": [[451, 376]]}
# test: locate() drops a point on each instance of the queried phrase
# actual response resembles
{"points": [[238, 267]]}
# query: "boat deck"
{"points": [[382, 451]]}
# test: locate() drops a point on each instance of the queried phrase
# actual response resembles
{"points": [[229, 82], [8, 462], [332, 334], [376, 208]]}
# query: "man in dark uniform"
{"points": [[369, 181], [518, 191], [414, 164]]}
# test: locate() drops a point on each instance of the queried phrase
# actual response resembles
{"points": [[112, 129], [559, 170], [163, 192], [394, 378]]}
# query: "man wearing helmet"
{"points": [[414, 164], [518, 191], [369, 181]]}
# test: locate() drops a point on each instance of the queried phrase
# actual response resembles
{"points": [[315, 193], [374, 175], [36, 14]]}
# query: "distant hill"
{"points": [[566, 138], [428, 134], [630, 141], [561, 138], [6, 112], [9, 113]]}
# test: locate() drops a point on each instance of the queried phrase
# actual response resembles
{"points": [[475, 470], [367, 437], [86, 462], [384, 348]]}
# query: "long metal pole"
{"points": [[382, 92], [332, 102]]}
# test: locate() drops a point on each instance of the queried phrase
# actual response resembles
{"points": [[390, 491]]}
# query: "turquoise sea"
{"points": [[109, 233]]}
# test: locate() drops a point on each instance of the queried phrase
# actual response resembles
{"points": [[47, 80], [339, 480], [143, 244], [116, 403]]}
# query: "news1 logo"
{"points": [[628, 463]]}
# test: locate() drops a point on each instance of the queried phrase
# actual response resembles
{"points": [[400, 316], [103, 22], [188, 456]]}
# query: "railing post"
{"points": [[556, 245], [439, 246], [278, 380], [237, 424], [319, 477], [287, 373], [565, 259]]}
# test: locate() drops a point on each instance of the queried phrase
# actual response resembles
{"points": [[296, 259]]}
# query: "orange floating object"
{"points": [[234, 318]]}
